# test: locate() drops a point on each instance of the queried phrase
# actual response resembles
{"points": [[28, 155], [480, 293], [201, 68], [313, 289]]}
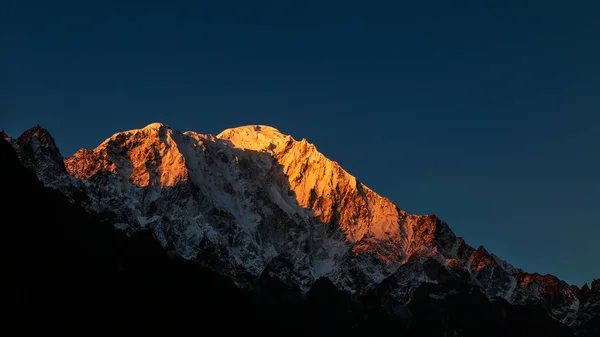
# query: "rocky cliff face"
{"points": [[37, 150], [252, 202]]}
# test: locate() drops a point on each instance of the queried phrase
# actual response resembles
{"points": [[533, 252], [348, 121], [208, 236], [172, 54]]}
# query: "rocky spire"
{"points": [[38, 152]]}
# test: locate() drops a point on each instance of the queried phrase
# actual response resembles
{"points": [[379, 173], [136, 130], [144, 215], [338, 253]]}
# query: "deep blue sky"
{"points": [[486, 113]]}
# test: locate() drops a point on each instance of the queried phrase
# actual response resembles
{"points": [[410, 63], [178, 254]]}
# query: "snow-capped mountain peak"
{"points": [[147, 156], [254, 137], [156, 126], [253, 201]]}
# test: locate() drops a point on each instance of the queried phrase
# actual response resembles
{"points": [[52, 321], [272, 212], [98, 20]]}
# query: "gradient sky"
{"points": [[485, 113]]}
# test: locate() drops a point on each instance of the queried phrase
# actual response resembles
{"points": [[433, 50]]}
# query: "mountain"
{"points": [[261, 208]]}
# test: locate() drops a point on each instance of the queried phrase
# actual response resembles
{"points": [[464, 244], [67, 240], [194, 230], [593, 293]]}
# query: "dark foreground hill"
{"points": [[68, 274]]}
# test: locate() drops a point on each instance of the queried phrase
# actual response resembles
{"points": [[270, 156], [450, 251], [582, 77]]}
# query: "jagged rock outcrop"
{"points": [[38, 152], [252, 202]]}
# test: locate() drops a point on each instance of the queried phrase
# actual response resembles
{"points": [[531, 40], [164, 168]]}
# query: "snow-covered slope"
{"points": [[252, 201]]}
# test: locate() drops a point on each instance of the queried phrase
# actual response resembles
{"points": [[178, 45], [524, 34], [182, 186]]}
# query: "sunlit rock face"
{"points": [[371, 223], [253, 202], [148, 157]]}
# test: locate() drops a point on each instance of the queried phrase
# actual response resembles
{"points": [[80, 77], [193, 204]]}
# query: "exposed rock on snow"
{"points": [[253, 200]]}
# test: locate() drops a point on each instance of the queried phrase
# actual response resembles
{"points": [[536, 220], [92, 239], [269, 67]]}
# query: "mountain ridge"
{"points": [[84, 277], [314, 219]]}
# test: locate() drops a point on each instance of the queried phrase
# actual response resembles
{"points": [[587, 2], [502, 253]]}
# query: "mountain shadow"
{"points": [[68, 274]]}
